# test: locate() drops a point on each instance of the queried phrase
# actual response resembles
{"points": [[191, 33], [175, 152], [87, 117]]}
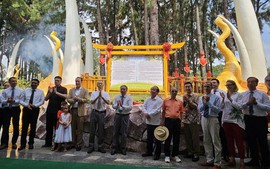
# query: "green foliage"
{"points": [[22, 83], [217, 69]]}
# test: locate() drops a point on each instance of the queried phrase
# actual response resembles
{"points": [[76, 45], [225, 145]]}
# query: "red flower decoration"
{"points": [[109, 50], [166, 50], [203, 60], [209, 74], [186, 68], [101, 59]]}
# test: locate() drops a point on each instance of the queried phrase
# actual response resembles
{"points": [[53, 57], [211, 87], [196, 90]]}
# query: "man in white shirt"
{"points": [[255, 105], [215, 90], [32, 98], [152, 111], [11, 99], [98, 99]]}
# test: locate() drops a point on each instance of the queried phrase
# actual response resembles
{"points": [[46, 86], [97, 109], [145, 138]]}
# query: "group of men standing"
{"points": [[171, 112]]}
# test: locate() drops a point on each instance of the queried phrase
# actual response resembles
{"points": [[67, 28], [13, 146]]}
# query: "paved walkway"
{"points": [[131, 158]]}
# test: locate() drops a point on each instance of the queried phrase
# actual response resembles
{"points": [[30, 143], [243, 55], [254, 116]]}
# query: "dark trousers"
{"points": [[51, 119], [97, 121], [256, 130], [235, 134], [77, 128], [173, 126], [223, 140], [13, 112], [29, 117], [120, 129], [151, 139], [192, 138], [1, 117]]}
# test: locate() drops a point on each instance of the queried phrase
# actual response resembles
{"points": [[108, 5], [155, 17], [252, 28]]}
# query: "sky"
{"points": [[266, 43]]}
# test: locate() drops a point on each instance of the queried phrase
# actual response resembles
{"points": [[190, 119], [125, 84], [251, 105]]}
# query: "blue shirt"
{"points": [[213, 104]]}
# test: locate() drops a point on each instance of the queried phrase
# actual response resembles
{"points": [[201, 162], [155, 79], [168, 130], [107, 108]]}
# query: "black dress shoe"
{"points": [[124, 152], [78, 148], [195, 158], [156, 157], [147, 154], [101, 150], [252, 163], [31, 146], [21, 147], [90, 150], [113, 152], [4, 146]]}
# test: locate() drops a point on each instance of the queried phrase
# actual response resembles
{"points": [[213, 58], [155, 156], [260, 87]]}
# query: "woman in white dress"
{"points": [[63, 133]]}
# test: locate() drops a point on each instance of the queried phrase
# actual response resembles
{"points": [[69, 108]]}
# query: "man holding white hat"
{"points": [[172, 109], [152, 111]]}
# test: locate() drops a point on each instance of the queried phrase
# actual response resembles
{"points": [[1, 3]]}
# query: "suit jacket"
{"points": [[81, 103]]}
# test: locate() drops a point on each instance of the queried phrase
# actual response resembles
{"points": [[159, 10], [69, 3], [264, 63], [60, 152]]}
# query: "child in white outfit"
{"points": [[63, 132]]}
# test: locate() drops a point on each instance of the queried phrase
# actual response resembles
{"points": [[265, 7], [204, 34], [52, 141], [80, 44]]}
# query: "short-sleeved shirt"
{"points": [[173, 108], [55, 100]]}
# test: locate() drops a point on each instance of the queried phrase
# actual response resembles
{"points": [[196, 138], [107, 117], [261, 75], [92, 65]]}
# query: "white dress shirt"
{"points": [[126, 105], [77, 93], [94, 95], [38, 98], [227, 106], [7, 94], [153, 108], [262, 106]]}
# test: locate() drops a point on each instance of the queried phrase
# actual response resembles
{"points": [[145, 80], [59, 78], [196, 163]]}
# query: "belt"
{"points": [[104, 111], [122, 114]]}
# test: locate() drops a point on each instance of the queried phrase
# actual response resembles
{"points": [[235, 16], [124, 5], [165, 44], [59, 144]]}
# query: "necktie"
{"points": [[32, 97], [250, 108], [206, 111], [215, 91], [122, 101], [99, 104], [12, 96]]}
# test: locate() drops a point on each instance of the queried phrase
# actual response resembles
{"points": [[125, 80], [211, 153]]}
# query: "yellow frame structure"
{"points": [[138, 50]]}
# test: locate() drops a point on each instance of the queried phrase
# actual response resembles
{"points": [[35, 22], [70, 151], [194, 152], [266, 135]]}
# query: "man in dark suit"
{"points": [[55, 95]]}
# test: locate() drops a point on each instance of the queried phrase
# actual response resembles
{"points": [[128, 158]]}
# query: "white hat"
{"points": [[161, 133]]}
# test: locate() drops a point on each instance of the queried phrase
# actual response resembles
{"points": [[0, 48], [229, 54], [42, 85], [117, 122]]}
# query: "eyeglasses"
{"points": [[174, 91], [229, 85], [207, 86]]}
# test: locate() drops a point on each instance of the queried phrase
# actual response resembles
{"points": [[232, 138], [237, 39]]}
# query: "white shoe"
{"points": [[167, 159], [177, 159]]}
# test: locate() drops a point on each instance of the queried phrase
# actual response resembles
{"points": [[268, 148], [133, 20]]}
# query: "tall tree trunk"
{"points": [[101, 34], [136, 38], [154, 35], [199, 34], [146, 23], [114, 33], [174, 15]]}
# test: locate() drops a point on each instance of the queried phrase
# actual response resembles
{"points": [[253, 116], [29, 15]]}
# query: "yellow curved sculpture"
{"points": [[57, 41], [232, 69], [16, 70]]}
